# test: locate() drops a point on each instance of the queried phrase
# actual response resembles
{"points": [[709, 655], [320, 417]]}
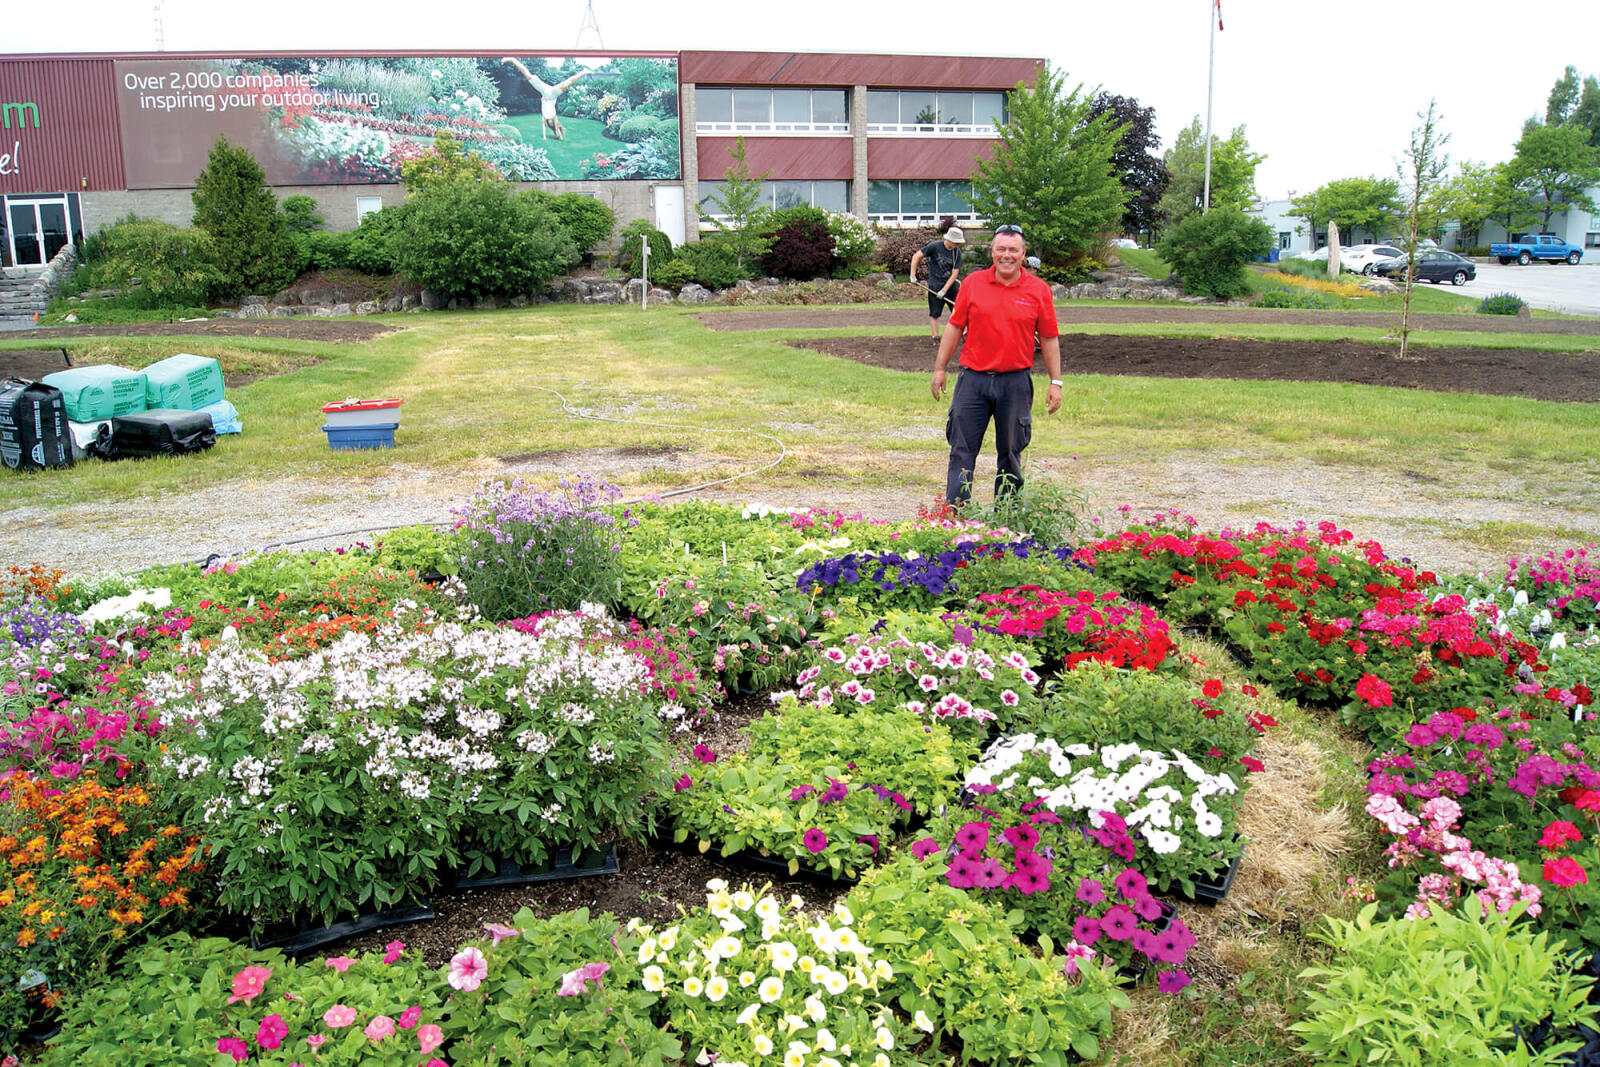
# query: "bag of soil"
{"points": [[33, 426], [99, 392], [91, 439], [162, 432], [224, 417], [183, 381]]}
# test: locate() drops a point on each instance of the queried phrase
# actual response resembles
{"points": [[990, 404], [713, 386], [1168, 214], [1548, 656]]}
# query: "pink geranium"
{"points": [[468, 969]]}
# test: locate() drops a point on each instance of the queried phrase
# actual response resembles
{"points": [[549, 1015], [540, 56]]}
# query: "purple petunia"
{"points": [[1022, 838], [1132, 885], [1171, 981], [1091, 891], [924, 848], [1147, 908], [870, 840], [990, 874], [704, 754], [835, 792], [1119, 923], [800, 791], [815, 840], [1085, 930], [973, 837], [963, 873]]}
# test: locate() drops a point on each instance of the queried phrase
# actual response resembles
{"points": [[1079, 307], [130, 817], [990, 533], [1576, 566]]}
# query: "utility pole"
{"points": [[1211, 77]]}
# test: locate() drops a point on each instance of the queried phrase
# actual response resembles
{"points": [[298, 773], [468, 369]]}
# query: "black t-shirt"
{"points": [[942, 262]]}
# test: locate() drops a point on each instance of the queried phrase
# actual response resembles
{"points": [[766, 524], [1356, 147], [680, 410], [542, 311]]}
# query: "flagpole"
{"points": [[1211, 71]]}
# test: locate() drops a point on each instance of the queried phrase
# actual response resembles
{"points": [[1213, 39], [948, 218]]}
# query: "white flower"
{"points": [[763, 1044], [726, 947], [880, 1060], [841, 914], [647, 950], [784, 956], [770, 989], [748, 1013], [884, 1039], [655, 980], [768, 908], [716, 988], [835, 983], [882, 969], [743, 900], [747, 978], [693, 986], [815, 1009], [668, 939], [825, 1040], [921, 1021]]}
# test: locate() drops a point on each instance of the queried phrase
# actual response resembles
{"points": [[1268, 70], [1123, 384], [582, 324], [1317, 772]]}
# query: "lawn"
{"points": [[584, 138]]}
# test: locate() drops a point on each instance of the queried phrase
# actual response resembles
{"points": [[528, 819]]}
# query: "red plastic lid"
{"points": [[353, 404]]}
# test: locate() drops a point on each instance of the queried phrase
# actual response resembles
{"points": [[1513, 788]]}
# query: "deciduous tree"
{"points": [[1052, 171], [1370, 204], [1421, 166], [1233, 173], [1560, 165], [1139, 168], [739, 207]]}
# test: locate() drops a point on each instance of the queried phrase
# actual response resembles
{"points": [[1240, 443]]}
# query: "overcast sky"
{"points": [[1325, 90]]}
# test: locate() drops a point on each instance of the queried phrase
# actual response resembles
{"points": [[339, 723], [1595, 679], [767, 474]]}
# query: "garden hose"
{"points": [[566, 407]]}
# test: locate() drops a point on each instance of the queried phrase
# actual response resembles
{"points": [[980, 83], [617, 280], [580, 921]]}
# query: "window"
{"points": [[915, 111], [770, 111], [366, 205], [1284, 237], [919, 201], [1591, 240], [827, 195]]}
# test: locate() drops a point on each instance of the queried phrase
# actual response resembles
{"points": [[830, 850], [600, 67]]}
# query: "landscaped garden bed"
{"points": [[980, 777]]}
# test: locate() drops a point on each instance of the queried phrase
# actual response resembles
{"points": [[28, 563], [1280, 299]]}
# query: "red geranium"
{"points": [[1558, 833], [1565, 871]]}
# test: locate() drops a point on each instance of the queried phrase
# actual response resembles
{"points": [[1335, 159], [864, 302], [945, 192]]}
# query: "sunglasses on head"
{"points": [[1008, 228]]}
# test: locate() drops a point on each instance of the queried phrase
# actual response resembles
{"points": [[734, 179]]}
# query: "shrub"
{"points": [[1501, 304], [894, 248], [1309, 299], [1454, 987], [853, 245], [1476, 250], [1303, 268], [1209, 251], [712, 263], [586, 218], [321, 250], [250, 241], [172, 266], [472, 239], [636, 128], [373, 245], [524, 552], [800, 248], [300, 213], [628, 246], [1042, 510], [675, 271]]}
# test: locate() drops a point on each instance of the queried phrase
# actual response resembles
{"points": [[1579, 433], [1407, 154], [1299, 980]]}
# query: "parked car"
{"points": [[1434, 265], [1362, 259], [1532, 246], [1124, 242]]}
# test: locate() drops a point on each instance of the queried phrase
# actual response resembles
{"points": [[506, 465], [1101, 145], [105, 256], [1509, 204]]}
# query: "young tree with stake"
{"points": [[1421, 167]]}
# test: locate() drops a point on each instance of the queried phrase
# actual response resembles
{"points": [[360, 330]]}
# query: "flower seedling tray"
{"points": [[302, 938], [1213, 889], [558, 870], [779, 868]]}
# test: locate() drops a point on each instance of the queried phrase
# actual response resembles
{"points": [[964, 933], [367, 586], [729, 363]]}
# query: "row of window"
{"points": [[827, 110], [886, 199]]}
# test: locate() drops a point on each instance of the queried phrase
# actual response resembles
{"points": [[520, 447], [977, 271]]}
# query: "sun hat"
{"points": [[955, 236]]}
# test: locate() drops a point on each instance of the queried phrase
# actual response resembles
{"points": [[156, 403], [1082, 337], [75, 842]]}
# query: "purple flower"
{"points": [[815, 840], [1091, 891], [990, 874], [1022, 838], [963, 873], [1171, 981], [800, 791], [1147, 908], [1085, 930], [1119, 923], [1132, 885], [1026, 880], [1173, 944], [870, 840], [836, 791], [973, 837], [924, 848], [1144, 942], [704, 754]]}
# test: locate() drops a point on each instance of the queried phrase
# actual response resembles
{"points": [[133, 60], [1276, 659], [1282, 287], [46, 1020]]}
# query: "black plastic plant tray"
{"points": [[558, 870]]}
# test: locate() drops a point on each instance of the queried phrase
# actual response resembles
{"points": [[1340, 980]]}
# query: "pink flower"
{"points": [[429, 1037], [704, 754], [234, 1047], [500, 931], [339, 963], [410, 1017], [271, 1032], [248, 983], [317, 1040], [1565, 871], [574, 982], [379, 1028], [468, 969], [1171, 981], [392, 951], [815, 840], [925, 847], [338, 1016], [682, 783]]}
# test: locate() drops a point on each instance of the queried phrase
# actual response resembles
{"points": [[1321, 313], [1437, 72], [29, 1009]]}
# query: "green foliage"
{"points": [[1052, 172], [1479, 193], [738, 207], [712, 263], [518, 1014], [1098, 705], [373, 244], [629, 247], [1370, 204], [636, 128], [1501, 304], [1209, 251], [586, 218], [1306, 299], [423, 549], [300, 213], [445, 164], [675, 271], [1301, 267], [1447, 988], [894, 248], [1233, 173], [172, 266], [321, 250], [1043, 510], [249, 240], [959, 968], [472, 238], [1560, 164]]}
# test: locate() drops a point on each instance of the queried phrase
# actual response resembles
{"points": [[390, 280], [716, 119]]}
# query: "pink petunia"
{"points": [[393, 950], [410, 1017], [925, 847], [316, 1041], [1172, 981], [339, 963], [815, 840], [234, 1047], [271, 1032], [500, 931], [429, 1037], [338, 1016], [468, 969], [379, 1028], [248, 984], [574, 982]]}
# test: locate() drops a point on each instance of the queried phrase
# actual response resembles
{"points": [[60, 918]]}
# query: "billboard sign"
{"points": [[352, 120]]}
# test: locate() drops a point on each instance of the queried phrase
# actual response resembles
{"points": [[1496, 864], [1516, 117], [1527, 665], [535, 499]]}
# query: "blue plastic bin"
{"points": [[344, 438]]}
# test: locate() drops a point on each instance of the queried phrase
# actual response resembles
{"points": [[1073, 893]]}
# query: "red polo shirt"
{"points": [[1001, 320]]}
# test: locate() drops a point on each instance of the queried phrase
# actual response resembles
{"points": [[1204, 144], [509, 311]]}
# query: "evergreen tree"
{"points": [[740, 206], [249, 239], [1052, 171]]}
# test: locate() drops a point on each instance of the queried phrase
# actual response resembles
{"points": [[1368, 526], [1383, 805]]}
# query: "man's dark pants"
{"points": [[1007, 398]]}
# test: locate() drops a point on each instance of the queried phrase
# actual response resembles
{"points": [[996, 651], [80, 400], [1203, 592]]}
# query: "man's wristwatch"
{"points": [[1056, 382]]}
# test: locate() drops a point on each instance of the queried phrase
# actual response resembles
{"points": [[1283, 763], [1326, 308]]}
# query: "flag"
{"points": [[1218, 5]]}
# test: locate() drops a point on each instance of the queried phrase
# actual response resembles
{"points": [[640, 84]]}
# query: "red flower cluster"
{"points": [[1078, 627]]}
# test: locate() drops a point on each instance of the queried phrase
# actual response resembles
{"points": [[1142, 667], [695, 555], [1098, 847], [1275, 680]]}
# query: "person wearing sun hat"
{"points": [[944, 270]]}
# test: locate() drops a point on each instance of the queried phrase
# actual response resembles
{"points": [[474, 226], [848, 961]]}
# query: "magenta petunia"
{"points": [[704, 754], [963, 871], [682, 783], [1171, 981], [393, 950], [271, 1032], [1085, 930], [1091, 891], [799, 791], [1147, 908], [1119, 923], [234, 1047], [815, 840], [990, 874], [1022, 838], [973, 837], [1131, 884], [925, 847]]}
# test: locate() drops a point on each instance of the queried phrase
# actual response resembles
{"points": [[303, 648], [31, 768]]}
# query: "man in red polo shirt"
{"points": [[1001, 310]]}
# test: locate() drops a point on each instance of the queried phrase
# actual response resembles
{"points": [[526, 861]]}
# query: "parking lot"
{"points": [[1559, 287]]}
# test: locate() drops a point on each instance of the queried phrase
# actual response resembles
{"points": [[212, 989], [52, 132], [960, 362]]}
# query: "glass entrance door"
{"points": [[36, 229]]}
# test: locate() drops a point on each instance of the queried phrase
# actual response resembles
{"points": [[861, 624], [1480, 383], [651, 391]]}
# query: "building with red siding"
{"points": [[86, 139]]}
